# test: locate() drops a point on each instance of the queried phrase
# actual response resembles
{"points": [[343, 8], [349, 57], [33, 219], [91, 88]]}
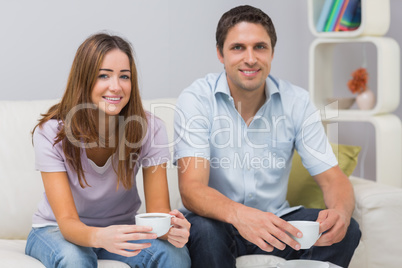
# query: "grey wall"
{"points": [[173, 40]]}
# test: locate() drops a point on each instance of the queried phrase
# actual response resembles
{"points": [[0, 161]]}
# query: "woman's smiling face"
{"points": [[112, 88]]}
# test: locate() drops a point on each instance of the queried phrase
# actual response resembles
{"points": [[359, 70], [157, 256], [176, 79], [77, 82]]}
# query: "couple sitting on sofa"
{"points": [[235, 135]]}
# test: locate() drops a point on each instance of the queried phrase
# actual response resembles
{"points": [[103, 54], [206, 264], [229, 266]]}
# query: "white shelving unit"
{"points": [[388, 70], [388, 127]]}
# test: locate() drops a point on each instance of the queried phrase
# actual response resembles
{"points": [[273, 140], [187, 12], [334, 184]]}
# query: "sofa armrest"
{"points": [[379, 213]]}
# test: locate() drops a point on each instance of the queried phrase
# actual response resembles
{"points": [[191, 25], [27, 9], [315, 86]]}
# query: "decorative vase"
{"points": [[365, 100]]}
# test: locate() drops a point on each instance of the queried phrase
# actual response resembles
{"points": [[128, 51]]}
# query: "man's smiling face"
{"points": [[247, 56]]}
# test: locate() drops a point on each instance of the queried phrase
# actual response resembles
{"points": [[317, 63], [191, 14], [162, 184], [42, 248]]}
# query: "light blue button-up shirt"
{"points": [[251, 164]]}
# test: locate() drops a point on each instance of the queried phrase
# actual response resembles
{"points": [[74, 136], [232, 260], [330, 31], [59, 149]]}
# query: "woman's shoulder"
{"points": [[45, 136], [155, 143], [154, 123], [48, 128]]}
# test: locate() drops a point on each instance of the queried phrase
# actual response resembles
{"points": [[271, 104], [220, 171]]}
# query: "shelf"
{"points": [[388, 133], [321, 82], [375, 19], [375, 22]]}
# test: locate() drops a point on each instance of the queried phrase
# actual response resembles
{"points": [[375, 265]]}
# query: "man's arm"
{"points": [[264, 229], [340, 201]]}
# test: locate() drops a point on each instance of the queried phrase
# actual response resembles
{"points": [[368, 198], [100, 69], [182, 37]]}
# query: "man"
{"points": [[236, 133]]}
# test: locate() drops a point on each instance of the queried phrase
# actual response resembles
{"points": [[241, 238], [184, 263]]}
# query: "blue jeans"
{"points": [[48, 245], [217, 244]]}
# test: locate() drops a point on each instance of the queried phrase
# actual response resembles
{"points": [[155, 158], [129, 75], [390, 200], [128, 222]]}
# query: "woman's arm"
{"points": [[156, 189], [156, 193], [61, 200], [113, 238]]}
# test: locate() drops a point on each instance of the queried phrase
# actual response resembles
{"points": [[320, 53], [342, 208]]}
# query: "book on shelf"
{"points": [[339, 15], [326, 9], [336, 7], [351, 19]]}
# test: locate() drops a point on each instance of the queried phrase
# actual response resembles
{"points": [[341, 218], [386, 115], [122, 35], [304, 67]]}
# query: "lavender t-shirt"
{"points": [[100, 204]]}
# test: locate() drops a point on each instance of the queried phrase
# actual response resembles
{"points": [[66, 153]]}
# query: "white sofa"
{"points": [[378, 207]]}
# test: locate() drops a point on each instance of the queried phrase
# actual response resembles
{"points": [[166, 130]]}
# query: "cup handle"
{"points": [[172, 216]]}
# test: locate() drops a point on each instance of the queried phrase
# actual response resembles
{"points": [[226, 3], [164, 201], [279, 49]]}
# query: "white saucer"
{"points": [[303, 264]]}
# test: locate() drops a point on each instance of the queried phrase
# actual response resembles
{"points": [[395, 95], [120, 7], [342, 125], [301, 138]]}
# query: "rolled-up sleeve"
{"points": [[48, 157], [156, 147], [311, 141]]}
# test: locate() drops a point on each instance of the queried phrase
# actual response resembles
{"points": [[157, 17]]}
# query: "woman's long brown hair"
{"points": [[82, 126]]}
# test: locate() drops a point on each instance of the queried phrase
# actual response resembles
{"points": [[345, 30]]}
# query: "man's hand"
{"points": [[264, 229], [339, 198], [335, 224]]}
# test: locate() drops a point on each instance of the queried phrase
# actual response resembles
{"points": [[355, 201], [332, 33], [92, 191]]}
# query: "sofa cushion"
{"points": [[302, 188], [378, 212], [12, 254], [164, 109], [258, 261], [20, 184]]}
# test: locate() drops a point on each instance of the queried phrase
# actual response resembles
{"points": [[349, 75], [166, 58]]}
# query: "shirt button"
{"points": [[250, 195]]}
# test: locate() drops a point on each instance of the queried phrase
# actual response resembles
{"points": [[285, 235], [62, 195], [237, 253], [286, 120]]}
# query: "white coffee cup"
{"points": [[160, 222], [310, 231]]}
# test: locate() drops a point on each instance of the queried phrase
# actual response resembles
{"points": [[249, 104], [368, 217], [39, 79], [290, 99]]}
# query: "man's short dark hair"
{"points": [[239, 14]]}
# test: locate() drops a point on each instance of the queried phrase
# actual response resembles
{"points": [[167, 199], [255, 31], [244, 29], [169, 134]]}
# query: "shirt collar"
{"points": [[271, 86]]}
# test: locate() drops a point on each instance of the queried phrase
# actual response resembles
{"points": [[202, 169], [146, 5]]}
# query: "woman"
{"points": [[89, 148]]}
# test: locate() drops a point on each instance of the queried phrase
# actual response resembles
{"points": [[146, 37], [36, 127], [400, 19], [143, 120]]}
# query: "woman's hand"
{"points": [[116, 239], [179, 233]]}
